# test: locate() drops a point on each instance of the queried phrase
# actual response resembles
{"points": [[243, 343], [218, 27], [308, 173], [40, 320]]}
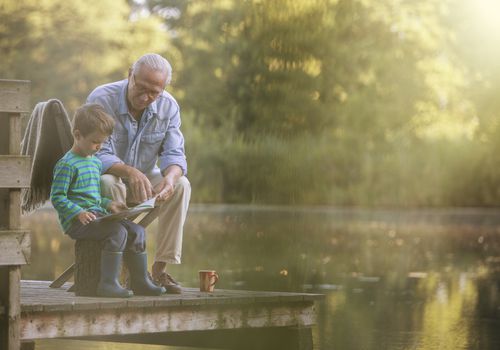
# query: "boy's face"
{"points": [[89, 144]]}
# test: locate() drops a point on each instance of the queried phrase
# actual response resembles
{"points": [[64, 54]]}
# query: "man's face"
{"points": [[144, 86]]}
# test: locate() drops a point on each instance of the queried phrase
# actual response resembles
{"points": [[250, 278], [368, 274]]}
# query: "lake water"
{"points": [[393, 279]]}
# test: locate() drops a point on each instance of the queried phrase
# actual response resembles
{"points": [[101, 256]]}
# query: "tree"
{"points": [[66, 48]]}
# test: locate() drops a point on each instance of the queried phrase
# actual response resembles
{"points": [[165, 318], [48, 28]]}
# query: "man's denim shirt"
{"points": [[157, 137]]}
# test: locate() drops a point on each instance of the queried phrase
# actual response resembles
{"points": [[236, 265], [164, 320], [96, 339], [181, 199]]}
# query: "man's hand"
{"points": [[165, 189], [140, 186], [86, 217], [116, 207]]}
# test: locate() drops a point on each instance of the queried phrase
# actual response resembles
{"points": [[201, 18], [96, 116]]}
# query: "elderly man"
{"points": [[145, 155]]}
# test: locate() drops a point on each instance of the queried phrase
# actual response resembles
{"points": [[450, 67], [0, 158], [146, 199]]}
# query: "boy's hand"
{"points": [[116, 207], [86, 217]]}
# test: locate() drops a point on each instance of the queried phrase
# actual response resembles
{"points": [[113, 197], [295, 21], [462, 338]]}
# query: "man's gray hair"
{"points": [[154, 62]]}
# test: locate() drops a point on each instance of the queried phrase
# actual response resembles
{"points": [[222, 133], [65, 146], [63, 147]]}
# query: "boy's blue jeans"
{"points": [[118, 236]]}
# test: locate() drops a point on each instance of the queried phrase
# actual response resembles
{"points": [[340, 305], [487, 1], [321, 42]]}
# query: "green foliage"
{"points": [[348, 102], [66, 48], [322, 102]]}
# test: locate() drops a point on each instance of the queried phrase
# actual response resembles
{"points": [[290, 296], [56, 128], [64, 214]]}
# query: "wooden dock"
{"points": [[228, 319], [30, 310]]}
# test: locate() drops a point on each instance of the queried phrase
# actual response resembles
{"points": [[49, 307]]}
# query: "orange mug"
{"points": [[208, 279]]}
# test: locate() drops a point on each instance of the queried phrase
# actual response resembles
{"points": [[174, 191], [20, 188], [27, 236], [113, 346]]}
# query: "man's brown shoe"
{"points": [[171, 285]]}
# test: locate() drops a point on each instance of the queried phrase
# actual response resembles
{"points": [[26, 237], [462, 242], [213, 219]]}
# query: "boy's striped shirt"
{"points": [[76, 187]]}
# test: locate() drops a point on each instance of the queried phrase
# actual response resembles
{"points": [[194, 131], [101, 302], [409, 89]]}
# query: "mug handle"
{"points": [[216, 279]]}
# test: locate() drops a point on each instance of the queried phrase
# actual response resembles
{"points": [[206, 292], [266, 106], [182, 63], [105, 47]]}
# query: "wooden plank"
{"points": [[10, 277], [149, 217], [15, 247], [36, 293], [4, 208], [14, 311], [4, 301], [32, 308], [38, 325], [15, 171], [15, 134], [15, 209], [64, 277], [4, 133], [14, 96], [140, 302]]}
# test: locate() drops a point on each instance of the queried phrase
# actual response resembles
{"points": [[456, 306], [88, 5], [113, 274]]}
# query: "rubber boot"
{"points": [[110, 270], [140, 282]]}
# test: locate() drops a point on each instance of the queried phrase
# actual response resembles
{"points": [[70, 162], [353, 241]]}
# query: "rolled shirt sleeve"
{"points": [[172, 150]]}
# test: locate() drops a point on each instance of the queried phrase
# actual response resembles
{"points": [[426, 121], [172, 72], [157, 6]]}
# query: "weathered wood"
{"points": [[10, 293], [14, 96], [14, 174], [4, 149], [87, 266], [15, 209], [4, 133], [4, 208], [4, 300], [15, 247], [264, 320], [37, 325], [15, 133], [14, 311], [149, 217], [64, 277], [14, 171]]}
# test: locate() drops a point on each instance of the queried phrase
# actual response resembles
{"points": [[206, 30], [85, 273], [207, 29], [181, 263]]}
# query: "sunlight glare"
{"points": [[487, 13]]}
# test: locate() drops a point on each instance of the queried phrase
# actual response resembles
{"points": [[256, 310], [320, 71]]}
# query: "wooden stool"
{"points": [[87, 267]]}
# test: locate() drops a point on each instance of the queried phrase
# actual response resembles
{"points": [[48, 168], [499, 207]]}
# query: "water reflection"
{"points": [[392, 279]]}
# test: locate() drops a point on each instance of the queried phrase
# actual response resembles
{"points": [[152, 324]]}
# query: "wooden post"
{"points": [[14, 175]]}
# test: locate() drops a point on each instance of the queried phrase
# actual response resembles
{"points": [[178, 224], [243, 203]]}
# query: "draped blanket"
{"points": [[47, 138]]}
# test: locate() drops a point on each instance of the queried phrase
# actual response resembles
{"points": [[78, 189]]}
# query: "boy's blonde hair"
{"points": [[92, 117]]}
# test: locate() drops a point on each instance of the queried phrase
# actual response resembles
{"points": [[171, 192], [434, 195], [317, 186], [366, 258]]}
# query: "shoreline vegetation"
{"points": [[358, 103]]}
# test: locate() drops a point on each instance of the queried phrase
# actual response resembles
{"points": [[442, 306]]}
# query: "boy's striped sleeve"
{"points": [[63, 173]]}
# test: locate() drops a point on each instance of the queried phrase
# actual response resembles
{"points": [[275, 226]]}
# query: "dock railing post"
{"points": [[14, 242]]}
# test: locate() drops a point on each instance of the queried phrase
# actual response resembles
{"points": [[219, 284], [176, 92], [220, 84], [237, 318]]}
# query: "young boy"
{"points": [[76, 196]]}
